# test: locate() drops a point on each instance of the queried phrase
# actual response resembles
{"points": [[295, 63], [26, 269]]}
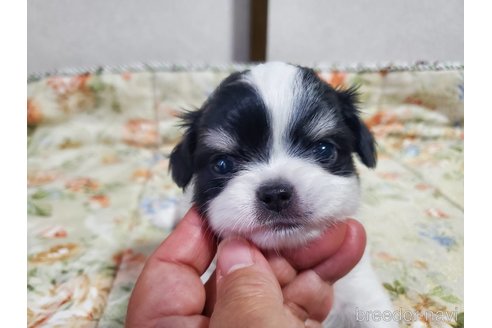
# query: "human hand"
{"points": [[249, 289]]}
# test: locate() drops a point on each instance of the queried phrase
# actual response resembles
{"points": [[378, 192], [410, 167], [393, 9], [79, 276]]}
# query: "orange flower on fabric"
{"points": [[34, 114], [99, 201], [436, 213], [64, 85], [127, 76], [53, 232], [337, 79], [141, 175], [381, 118], [56, 253], [141, 132], [82, 184], [40, 178]]}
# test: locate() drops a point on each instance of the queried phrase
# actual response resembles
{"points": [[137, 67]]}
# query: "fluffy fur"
{"points": [[269, 157]]}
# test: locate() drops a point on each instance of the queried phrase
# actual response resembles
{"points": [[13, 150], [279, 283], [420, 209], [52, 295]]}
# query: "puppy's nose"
{"points": [[275, 196]]}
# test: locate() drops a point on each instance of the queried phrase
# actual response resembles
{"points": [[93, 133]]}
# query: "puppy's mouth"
{"points": [[290, 219], [278, 234], [276, 226], [281, 226]]}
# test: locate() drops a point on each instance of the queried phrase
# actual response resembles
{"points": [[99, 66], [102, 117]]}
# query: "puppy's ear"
{"points": [[181, 159], [365, 145]]}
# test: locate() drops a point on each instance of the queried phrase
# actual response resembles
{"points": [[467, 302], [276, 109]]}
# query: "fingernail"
{"points": [[233, 254]]}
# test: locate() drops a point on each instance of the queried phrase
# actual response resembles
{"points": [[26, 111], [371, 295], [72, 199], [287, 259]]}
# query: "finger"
{"points": [[196, 321], [317, 251], [237, 253], [312, 324], [308, 296], [282, 269], [169, 284], [191, 244], [247, 290], [211, 292], [284, 272], [347, 256]]}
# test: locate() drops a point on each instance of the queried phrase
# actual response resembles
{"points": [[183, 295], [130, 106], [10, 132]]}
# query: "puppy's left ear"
{"points": [[365, 145], [181, 159]]}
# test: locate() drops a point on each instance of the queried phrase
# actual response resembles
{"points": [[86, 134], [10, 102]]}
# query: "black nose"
{"points": [[275, 196]]}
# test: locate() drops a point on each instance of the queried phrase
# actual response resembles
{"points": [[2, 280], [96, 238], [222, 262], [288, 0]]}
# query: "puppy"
{"points": [[269, 157]]}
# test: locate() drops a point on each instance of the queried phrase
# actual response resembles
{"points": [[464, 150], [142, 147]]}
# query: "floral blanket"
{"points": [[98, 149]]}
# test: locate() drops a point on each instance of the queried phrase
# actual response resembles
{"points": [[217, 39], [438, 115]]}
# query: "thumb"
{"points": [[248, 293]]}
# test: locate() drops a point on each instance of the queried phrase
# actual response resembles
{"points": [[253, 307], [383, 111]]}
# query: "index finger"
{"points": [[334, 254], [169, 288], [318, 250], [191, 244], [347, 256]]}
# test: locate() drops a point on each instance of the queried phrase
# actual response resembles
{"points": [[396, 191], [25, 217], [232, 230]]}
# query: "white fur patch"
{"points": [[277, 84], [280, 86], [323, 198], [358, 294], [219, 140], [321, 125]]}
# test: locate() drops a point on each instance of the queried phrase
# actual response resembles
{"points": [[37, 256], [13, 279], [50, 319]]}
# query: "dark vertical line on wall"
{"points": [[258, 30], [240, 30]]}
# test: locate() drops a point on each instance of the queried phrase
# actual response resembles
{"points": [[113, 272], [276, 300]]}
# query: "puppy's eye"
{"points": [[222, 165], [324, 150]]}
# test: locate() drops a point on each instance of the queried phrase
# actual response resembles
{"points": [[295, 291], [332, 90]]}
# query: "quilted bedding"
{"points": [[98, 146]]}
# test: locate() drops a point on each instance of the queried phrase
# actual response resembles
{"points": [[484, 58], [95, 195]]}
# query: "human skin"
{"points": [[249, 288]]}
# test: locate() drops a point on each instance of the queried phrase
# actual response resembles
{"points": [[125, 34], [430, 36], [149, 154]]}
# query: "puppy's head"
{"points": [[269, 155]]}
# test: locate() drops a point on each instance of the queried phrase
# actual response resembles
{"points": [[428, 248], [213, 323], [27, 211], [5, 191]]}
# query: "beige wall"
{"points": [[310, 31], [67, 33]]}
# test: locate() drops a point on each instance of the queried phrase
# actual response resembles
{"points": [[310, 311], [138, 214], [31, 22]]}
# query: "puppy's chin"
{"points": [[285, 237]]}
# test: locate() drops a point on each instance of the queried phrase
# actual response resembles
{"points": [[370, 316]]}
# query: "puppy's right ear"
{"points": [[181, 159]]}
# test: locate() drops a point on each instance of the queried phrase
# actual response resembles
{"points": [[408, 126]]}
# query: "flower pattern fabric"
{"points": [[98, 147]]}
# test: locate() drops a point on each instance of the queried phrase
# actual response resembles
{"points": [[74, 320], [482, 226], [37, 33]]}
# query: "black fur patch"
{"points": [[237, 109], [318, 96]]}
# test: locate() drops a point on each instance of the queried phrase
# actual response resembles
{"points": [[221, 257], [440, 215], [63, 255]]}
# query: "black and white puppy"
{"points": [[269, 157]]}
